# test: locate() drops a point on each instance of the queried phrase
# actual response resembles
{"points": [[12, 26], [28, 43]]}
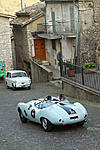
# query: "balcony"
{"points": [[58, 29]]}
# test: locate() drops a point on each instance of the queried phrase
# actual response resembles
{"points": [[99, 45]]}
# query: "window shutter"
{"points": [[72, 25], [45, 22], [53, 21]]}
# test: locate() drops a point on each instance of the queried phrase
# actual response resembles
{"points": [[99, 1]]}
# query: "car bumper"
{"points": [[23, 85], [69, 121]]}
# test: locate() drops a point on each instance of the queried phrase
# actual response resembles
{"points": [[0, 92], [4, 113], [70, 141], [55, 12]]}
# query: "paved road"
{"points": [[17, 136]]}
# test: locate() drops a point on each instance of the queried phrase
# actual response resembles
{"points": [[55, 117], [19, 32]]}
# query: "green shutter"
{"points": [[53, 21], [45, 19], [45, 22], [72, 25]]}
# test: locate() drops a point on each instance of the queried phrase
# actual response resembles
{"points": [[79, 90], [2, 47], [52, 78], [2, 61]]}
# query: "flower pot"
{"points": [[90, 70], [71, 73]]}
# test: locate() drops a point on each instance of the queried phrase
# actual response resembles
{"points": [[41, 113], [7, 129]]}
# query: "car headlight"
{"points": [[30, 80]]}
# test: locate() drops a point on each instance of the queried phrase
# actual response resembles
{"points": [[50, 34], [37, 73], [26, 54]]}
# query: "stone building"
{"points": [[5, 41], [61, 26], [89, 38], [23, 26]]}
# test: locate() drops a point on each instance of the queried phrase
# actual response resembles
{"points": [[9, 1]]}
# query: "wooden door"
{"points": [[39, 45]]}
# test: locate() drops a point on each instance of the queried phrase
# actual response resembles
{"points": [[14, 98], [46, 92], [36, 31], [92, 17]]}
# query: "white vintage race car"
{"points": [[17, 79], [52, 111]]}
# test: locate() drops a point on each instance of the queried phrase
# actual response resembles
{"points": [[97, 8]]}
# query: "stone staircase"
{"points": [[56, 72]]}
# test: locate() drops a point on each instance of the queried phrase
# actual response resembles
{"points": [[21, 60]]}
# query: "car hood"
{"points": [[21, 79]]}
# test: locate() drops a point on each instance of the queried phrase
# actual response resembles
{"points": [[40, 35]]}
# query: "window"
{"points": [[54, 44], [19, 74], [8, 75]]}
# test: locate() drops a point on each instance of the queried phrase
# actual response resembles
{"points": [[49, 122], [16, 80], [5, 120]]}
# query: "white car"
{"points": [[52, 111], [17, 79]]}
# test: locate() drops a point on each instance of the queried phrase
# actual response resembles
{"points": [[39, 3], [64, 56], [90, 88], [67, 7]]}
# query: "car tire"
{"points": [[22, 118], [13, 87], [29, 87], [81, 123], [46, 124], [7, 85]]}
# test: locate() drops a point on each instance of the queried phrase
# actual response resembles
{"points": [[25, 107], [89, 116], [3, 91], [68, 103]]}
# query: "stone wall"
{"points": [[89, 31], [96, 10], [80, 92], [89, 42], [5, 43], [40, 73]]}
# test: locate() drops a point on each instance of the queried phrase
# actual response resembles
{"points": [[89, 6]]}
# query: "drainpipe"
{"points": [[22, 4], [77, 32]]}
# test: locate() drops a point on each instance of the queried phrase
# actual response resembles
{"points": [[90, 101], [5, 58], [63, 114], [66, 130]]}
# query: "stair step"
{"points": [[45, 63]]}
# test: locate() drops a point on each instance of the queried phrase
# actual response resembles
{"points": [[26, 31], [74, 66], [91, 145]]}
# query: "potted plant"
{"points": [[70, 70], [90, 65]]}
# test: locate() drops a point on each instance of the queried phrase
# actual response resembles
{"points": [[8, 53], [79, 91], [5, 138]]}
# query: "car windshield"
{"points": [[19, 74]]}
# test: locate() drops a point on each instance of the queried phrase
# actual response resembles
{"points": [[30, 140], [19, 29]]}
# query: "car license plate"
{"points": [[73, 115]]}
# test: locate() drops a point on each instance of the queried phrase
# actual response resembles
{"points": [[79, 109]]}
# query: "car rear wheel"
{"points": [[22, 118], [7, 85], [46, 124]]}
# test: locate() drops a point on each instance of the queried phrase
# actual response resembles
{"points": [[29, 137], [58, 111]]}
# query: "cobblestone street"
{"points": [[30, 136]]}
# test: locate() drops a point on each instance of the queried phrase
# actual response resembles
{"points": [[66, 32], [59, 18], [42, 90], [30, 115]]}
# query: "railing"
{"points": [[81, 75], [60, 28]]}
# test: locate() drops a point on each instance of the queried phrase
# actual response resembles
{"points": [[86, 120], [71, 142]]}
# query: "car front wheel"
{"points": [[29, 87], [46, 124]]}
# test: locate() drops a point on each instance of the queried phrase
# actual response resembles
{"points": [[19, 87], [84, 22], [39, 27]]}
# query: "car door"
{"points": [[8, 79], [32, 113]]}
